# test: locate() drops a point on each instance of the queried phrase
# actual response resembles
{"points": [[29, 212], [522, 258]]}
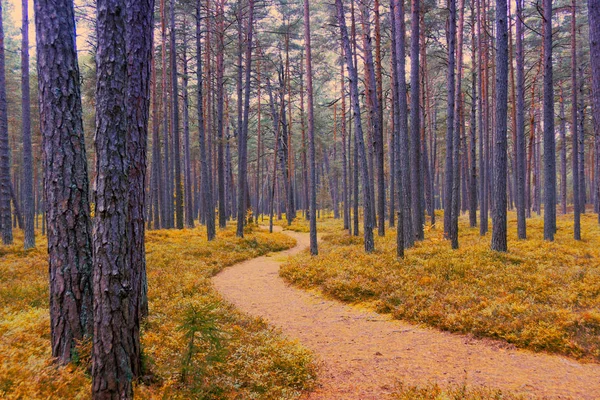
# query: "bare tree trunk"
{"points": [[594, 23], [473, 139], [520, 124], [66, 184], [549, 141], [243, 134], [575, 139], [395, 171], [368, 219], [450, 121], [311, 134], [5, 211], [115, 337], [175, 118], [157, 176], [220, 99], [499, 228], [168, 194], [28, 201], [139, 28], [416, 183], [345, 197], [187, 162], [206, 186], [562, 130]]}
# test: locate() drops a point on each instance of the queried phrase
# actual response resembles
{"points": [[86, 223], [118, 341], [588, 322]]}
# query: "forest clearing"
{"points": [[296, 199]]}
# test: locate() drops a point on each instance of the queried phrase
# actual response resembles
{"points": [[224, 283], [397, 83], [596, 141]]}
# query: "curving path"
{"points": [[364, 354]]}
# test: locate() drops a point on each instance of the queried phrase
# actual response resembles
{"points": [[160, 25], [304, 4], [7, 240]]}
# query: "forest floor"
{"points": [[367, 355], [195, 345]]}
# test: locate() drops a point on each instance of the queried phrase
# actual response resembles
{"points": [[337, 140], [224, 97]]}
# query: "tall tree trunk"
{"points": [[114, 340], [157, 175], [499, 229], [395, 171], [168, 194], [206, 186], [5, 211], [575, 139], [520, 123], [243, 134], [187, 161], [345, 196], [66, 185], [594, 24], [450, 120], [311, 134], [473, 128], [403, 139], [416, 182], [139, 28], [549, 141], [562, 130], [353, 76], [175, 118], [28, 201], [220, 99]]}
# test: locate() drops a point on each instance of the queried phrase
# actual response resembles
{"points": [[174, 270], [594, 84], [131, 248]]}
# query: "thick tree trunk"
{"points": [[594, 22], [139, 28], [353, 76], [473, 128], [115, 342], [5, 211], [206, 186], [27, 189], [311, 134], [575, 139], [187, 162], [175, 119], [450, 121], [499, 229], [243, 134], [66, 198], [549, 140], [520, 124], [416, 182], [395, 171], [403, 140], [220, 100]]}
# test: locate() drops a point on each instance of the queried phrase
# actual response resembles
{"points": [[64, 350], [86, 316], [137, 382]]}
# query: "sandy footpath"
{"points": [[364, 354]]}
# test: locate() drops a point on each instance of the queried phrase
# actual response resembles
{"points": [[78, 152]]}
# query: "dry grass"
{"points": [[458, 392], [541, 296], [232, 355]]}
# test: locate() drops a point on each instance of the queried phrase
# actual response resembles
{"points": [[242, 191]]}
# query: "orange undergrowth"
{"points": [[231, 355], [543, 296]]}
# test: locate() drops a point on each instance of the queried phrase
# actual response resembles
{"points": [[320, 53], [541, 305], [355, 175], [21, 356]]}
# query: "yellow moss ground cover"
{"points": [[540, 295], [194, 344], [457, 392]]}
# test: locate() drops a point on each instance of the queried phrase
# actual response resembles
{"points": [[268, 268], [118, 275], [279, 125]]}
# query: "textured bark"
{"points": [[206, 186], [168, 187], [520, 123], [187, 161], [243, 133], [113, 275], [575, 139], [304, 143], [581, 138], [157, 175], [549, 140], [175, 119], [5, 211], [345, 194], [499, 229], [314, 250], [395, 155], [473, 139], [353, 76], [402, 141], [416, 182], [374, 117], [27, 189], [220, 99], [594, 22], [139, 25], [562, 131], [66, 203], [450, 120]]}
